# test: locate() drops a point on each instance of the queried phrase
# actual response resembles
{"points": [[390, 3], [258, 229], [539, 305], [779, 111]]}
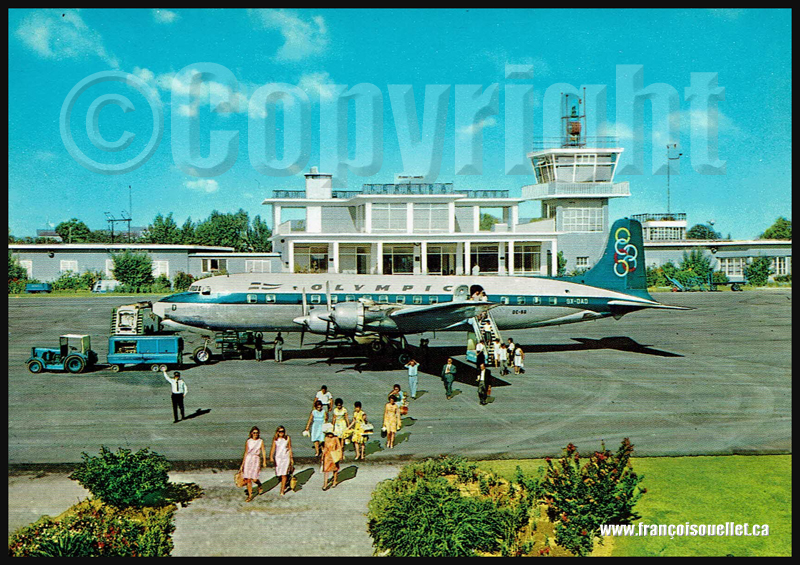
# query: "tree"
{"points": [[226, 230], [487, 221], [758, 271], [187, 232], [17, 275], [696, 263], [74, 231], [781, 229], [133, 269], [258, 236], [702, 231], [163, 230]]}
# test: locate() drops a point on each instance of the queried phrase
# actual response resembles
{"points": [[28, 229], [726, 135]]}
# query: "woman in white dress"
{"points": [[519, 358]]}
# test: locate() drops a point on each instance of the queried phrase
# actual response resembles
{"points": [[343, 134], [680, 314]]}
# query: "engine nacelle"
{"points": [[348, 317]]}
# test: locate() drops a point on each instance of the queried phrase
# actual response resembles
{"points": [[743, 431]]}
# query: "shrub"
{"points": [[758, 271], [581, 498], [182, 281], [133, 269], [17, 275], [92, 529], [124, 479], [447, 507]]}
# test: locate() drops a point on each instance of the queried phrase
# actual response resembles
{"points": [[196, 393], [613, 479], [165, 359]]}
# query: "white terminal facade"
{"points": [[410, 227]]}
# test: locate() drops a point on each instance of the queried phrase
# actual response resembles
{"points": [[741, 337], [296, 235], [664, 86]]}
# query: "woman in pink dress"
{"points": [[281, 456], [254, 455]]}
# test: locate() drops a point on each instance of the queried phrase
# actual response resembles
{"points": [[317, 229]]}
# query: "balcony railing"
{"points": [[432, 189], [573, 189], [665, 217], [288, 193], [603, 142]]}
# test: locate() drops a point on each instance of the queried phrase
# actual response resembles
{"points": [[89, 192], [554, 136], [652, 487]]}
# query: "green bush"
{"points": [[580, 498], [17, 275], [124, 478], [182, 281], [92, 529], [758, 271], [133, 270], [448, 507]]}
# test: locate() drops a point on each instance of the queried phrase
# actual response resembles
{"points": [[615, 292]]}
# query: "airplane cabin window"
{"points": [[269, 298], [520, 300], [252, 298], [400, 299], [433, 300], [383, 299], [504, 299], [349, 298], [536, 300], [417, 300], [315, 299], [553, 300]]}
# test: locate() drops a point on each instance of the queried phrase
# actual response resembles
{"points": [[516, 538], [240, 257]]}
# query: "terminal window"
{"points": [[583, 219], [214, 265]]}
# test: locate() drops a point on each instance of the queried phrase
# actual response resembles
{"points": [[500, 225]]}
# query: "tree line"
{"points": [[236, 230]]}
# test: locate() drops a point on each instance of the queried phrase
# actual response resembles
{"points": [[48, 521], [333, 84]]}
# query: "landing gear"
{"points": [[394, 350]]}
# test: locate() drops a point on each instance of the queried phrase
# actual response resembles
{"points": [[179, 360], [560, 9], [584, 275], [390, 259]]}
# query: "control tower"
{"points": [[574, 182]]}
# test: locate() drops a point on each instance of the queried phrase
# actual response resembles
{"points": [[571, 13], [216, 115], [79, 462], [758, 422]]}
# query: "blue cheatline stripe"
{"points": [[593, 303]]}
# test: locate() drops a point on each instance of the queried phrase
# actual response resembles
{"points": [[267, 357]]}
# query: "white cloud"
{"points": [[620, 131], [302, 37], [476, 127], [62, 34], [317, 83], [203, 185], [164, 16]]}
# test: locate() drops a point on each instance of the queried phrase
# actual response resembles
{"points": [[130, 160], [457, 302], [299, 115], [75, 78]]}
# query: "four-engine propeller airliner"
{"points": [[363, 307]]}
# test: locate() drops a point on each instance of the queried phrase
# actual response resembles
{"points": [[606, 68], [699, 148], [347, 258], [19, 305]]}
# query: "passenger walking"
{"points": [[179, 390], [254, 455], [281, 456], [316, 420], [332, 453], [503, 358], [480, 352], [519, 360], [398, 394], [448, 376], [259, 344], [325, 398], [484, 384], [278, 344], [413, 368], [359, 433], [496, 352], [340, 419], [391, 420]]}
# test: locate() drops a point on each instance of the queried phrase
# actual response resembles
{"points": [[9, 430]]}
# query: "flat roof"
{"points": [[120, 246]]}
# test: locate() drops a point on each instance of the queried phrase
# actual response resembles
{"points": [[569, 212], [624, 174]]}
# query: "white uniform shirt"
{"points": [[178, 385]]}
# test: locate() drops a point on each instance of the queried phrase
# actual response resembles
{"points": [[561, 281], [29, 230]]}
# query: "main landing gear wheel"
{"points": [[404, 356], [202, 355]]}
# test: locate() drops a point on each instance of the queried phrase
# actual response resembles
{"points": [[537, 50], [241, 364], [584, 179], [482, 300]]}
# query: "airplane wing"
{"points": [[437, 316]]}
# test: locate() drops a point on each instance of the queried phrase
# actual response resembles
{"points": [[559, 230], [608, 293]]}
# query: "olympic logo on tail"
{"points": [[625, 253]]}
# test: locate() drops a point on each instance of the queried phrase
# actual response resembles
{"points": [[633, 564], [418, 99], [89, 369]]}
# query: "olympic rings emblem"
{"points": [[625, 253]]}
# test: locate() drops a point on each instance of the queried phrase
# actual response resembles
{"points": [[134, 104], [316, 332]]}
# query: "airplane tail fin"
{"points": [[622, 266]]}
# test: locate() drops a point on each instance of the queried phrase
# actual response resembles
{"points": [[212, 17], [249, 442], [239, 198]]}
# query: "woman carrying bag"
{"points": [[281, 456]]}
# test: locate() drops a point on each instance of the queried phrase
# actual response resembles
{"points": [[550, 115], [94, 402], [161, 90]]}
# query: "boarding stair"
{"points": [[485, 331]]}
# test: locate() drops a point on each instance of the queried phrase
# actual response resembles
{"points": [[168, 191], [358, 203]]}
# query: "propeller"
{"points": [[305, 314]]}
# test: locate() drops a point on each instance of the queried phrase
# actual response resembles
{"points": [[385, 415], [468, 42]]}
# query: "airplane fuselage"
{"points": [[270, 302]]}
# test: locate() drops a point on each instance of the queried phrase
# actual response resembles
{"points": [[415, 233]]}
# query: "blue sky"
{"points": [[50, 52]]}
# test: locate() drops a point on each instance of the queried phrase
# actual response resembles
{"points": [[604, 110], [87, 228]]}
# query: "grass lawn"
{"points": [[703, 490]]}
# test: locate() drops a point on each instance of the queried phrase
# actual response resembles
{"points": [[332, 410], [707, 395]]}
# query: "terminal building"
{"points": [[414, 227]]}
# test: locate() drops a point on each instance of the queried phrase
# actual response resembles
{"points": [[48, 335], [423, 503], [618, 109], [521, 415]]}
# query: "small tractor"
{"points": [[74, 355]]}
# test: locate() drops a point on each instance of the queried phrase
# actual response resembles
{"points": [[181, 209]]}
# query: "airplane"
{"points": [[380, 309]]}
